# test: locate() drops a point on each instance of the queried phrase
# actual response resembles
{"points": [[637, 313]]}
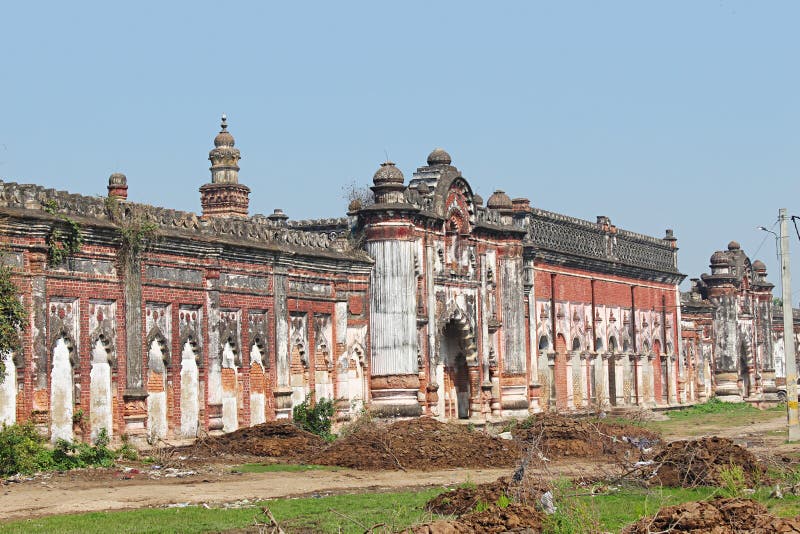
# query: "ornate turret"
{"points": [[388, 184], [224, 196], [118, 186]]}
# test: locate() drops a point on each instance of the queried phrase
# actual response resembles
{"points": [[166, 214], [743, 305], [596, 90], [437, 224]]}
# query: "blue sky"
{"points": [[681, 115]]}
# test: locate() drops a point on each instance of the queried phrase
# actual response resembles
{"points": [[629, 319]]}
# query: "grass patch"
{"points": [[577, 512], [612, 511], [714, 406], [282, 468], [395, 510], [711, 417]]}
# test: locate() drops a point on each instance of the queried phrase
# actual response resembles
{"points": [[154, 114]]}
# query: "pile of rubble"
{"points": [[422, 443], [717, 516], [273, 438], [514, 517], [466, 498], [691, 463], [559, 436]]}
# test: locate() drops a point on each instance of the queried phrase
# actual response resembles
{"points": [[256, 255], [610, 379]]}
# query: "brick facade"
{"points": [[424, 302]]}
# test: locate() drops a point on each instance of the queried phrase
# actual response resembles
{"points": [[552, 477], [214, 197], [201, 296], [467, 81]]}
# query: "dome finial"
{"points": [[224, 124]]}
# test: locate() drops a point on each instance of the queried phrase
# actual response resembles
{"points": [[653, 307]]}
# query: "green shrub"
{"points": [[127, 451], [733, 481], [22, 450], [503, 501], [315, 417], [480, 506]]}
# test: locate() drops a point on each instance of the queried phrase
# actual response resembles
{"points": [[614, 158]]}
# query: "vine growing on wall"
{"points": [[61, 244], [12, 317], [137, 230]]}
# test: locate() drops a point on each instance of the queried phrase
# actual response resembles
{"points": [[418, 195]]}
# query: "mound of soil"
{"points": [[718, 516], [422, 443], [513, 518], [273, 438], [559, 436], [463, 500], [692, 463]]}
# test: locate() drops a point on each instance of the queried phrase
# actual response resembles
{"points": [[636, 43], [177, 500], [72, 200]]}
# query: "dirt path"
{"points": [[37, 498], [74, 494], [760, 433]]}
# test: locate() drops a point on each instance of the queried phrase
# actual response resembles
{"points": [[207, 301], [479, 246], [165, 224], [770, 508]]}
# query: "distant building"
{"points": [[160, 323], [733, 331]]}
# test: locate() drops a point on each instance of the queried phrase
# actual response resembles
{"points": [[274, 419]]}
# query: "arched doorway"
{"points": [[456, 374]]}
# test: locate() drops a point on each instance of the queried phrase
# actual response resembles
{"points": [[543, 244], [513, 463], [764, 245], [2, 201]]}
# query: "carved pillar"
{"points": [[636, 363], [572, 360], [283, 389], [648, 380], [672, 379], [40, 350], [619, 379], [603, 369], [135, 394], [580, 370], [393, 329]]}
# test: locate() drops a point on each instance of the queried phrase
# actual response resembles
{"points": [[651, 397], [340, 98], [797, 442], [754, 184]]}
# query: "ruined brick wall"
{"points": [[208, 335]]}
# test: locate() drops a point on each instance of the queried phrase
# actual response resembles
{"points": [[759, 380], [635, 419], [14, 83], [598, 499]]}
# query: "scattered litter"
{"points": [[548, 506], [644, 444], [243, 503], [505, 435]]}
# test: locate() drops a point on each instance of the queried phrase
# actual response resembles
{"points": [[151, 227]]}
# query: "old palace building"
{"points": [[160, 323]]}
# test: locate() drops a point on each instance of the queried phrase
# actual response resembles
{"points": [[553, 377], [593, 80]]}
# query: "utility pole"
{"points": [[788, 330]]}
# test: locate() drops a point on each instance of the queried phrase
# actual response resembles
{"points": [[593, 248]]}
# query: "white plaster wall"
{"points": [[392, 304], [8, 392], [100, 404], [61, 401], [323, 385], [258, 401], [214, 382], [230, 408], [190, 392], [258, 406], [156, 401], [156, 416], [513, 316]]}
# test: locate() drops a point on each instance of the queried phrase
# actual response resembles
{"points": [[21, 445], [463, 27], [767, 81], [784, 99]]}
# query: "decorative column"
{"points": [[636, 362], [648, 381], [514, 388], [393, 290], [283, 389], [552, 387]]}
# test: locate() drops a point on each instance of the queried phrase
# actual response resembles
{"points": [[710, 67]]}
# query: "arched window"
{"points": [[544, 343]]}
